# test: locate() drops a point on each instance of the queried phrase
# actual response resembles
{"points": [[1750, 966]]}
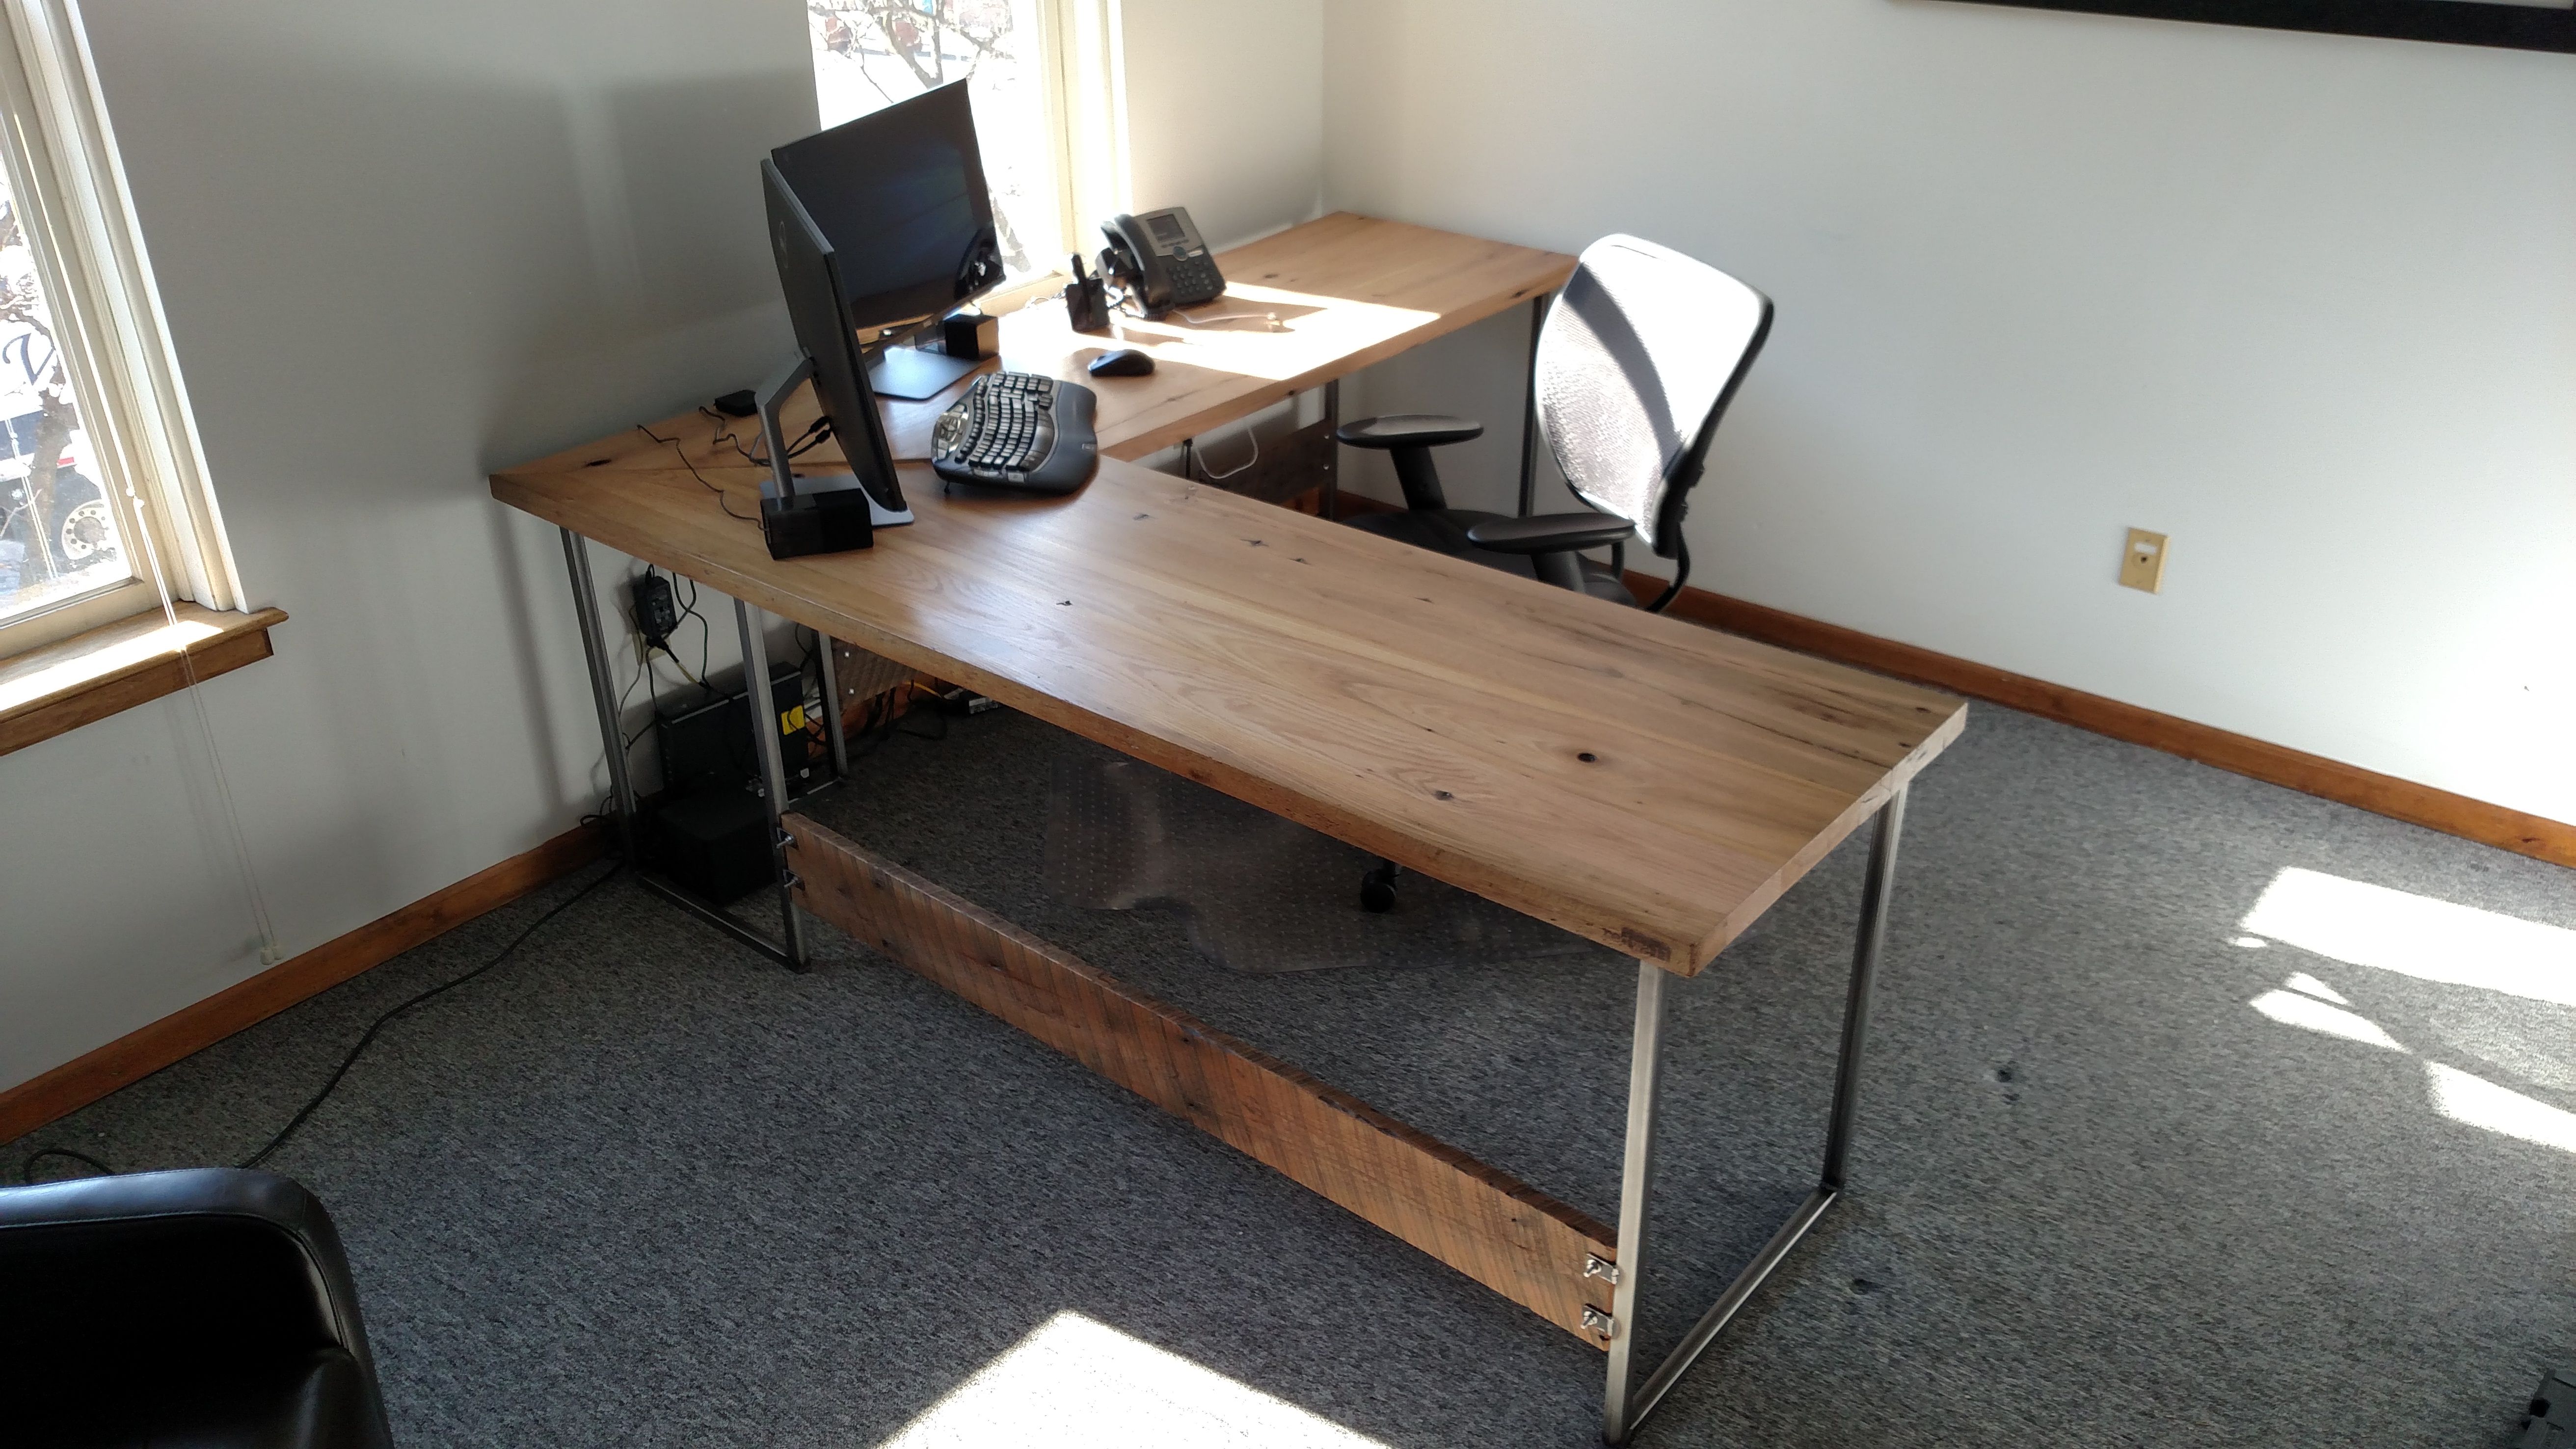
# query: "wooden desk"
{"points": [[1347, 290], [1636, 779], [1642, 781]]}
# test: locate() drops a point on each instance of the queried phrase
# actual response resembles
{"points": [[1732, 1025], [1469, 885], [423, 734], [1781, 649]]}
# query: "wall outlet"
{"points": [[2142, 565]]}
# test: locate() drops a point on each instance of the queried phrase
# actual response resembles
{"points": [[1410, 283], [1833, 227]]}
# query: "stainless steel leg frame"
{"points": [[1623, 1409], [1328, 502], [833, 728], [773, 772], [1529, 409], [603, 694]]}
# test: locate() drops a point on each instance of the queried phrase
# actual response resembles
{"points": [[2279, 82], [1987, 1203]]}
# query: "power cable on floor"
{"points": [[27, 1170]]}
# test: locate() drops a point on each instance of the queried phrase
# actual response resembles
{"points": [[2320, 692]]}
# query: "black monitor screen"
{"points": [[808, 271], [900, 195]]}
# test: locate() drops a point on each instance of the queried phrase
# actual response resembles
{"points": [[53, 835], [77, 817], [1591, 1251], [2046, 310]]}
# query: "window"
{"points": [[60, 540], [104, 509], [872, 53]]}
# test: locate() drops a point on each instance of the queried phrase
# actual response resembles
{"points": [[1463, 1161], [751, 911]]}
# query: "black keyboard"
{"points": [[1020, 431]]}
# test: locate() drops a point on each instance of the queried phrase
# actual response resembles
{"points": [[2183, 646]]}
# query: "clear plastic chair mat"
{"points": [[1260, 894]]}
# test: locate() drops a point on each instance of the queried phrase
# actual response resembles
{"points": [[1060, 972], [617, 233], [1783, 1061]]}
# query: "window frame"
{"points": [[2455, 22], [79, 218]]}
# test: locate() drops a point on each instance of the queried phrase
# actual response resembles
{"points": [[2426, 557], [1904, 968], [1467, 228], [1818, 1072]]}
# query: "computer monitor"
{"points": [[809, 272], [900, 195]]}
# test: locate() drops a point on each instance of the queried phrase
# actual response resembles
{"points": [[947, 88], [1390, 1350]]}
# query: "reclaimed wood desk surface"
{"points": [[1642, 781], [1346, 290]]}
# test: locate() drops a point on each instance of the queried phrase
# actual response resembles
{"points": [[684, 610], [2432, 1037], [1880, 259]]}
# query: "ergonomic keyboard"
{"points": [[1019, 431]]}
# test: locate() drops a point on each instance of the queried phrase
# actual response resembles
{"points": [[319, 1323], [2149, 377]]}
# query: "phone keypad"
{"points": [[1194, 278]]}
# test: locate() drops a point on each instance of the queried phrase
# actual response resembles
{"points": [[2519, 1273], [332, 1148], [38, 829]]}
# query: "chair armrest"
{"points": [[1550, 533], [1407, 430]]}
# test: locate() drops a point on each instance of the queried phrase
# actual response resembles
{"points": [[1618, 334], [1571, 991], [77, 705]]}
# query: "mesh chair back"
{"points": [[1639, 357]]}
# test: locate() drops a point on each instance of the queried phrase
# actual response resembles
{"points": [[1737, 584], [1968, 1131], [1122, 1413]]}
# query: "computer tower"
{"points": [[709, 830], [715, 845], [706, 744]]}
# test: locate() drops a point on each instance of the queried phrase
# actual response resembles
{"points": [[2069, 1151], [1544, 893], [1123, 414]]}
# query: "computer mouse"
{"points": [[1125, 362]]}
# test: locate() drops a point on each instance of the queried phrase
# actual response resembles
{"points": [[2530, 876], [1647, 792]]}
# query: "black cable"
{"points": [[815, 434], [815, 437], [296, 1122], [722, 500], [27, 1170], [1681, 575], [724, 435]]}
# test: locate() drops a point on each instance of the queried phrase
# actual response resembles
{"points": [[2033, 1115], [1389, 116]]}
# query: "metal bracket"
{"points": [[1600, 1322], [1596, 1266]]}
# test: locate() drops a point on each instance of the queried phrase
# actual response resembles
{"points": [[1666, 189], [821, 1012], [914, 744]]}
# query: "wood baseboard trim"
{"points": [[138, 1054], [2524, 834]]}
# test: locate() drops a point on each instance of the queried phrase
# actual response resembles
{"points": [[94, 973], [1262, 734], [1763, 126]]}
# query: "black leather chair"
{"points": [[1639, 357], [209, 1308]]}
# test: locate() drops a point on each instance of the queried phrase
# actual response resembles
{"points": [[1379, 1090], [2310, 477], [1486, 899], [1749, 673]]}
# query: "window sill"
{"points": [[61, 686]]}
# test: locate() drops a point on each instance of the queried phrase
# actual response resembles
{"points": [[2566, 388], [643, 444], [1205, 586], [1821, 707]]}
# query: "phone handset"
{"points": [[1159, 260]]}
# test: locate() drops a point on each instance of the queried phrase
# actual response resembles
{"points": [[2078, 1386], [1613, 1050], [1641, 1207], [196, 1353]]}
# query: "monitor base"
{"points": [[913, 374], [879, 516]]}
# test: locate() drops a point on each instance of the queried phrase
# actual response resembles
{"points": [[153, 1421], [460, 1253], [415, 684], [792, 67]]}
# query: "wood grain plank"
{"points": [[1632, 778], [1503, 1233], [105, 671]]}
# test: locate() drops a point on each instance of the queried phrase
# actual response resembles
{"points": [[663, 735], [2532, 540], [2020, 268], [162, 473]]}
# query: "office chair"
{"points": [[1639, 357], [208, 1307]]}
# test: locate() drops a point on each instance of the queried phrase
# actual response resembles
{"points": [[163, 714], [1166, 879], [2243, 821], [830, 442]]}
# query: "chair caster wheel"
{"points": [[1377, 888]]}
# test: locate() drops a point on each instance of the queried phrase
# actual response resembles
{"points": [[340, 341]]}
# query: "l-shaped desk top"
{"points": [[1648, 783], [1642, 781], [1346, 290]]}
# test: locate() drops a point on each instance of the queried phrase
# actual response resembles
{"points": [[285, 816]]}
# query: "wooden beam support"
{"points": [[1479, 1220]]}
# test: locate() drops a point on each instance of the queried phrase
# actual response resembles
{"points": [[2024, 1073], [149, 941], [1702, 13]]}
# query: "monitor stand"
{"points": [[912, 374], [830, 513], [879, 516]]}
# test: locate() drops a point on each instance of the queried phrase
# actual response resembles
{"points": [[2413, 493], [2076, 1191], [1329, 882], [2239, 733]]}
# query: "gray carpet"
{"points": [[637, 1187]]}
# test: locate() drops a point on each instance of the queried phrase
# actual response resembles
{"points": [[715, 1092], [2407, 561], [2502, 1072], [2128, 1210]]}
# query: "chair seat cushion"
{"points": [[320, 1401], [1444, 530]]}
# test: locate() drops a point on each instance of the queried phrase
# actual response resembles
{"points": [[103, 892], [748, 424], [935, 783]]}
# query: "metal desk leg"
{"points": [[1622, 1410], [833, 726], [1328, 503], [603, 693], [1529, 409], [773, 773]]}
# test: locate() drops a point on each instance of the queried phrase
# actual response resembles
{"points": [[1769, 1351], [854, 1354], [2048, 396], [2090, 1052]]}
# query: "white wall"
{"points": [[399, 245], [1225, 112], [2303, 302]]}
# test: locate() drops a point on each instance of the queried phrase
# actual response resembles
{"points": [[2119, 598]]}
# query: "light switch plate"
{"points": [[2142, 565]]}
